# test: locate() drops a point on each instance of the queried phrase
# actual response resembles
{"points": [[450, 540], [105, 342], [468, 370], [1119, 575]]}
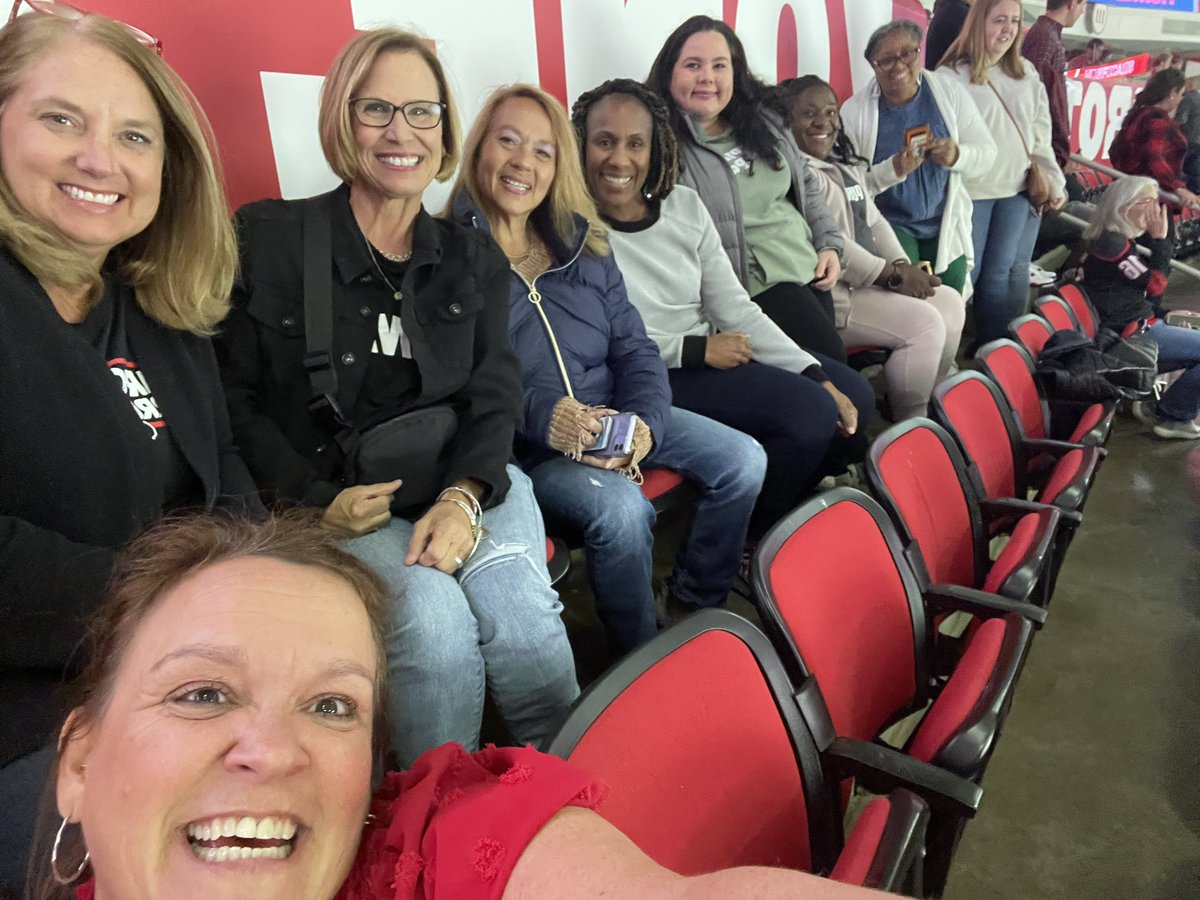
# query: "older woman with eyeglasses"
{"points": [[922, 135], [417, 315]]}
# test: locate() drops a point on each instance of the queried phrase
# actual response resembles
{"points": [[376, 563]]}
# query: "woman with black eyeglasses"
{"points": [[419, 311]]}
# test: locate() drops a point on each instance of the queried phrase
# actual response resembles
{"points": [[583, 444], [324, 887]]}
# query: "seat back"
{"points": [[1085, 314], [917, 472], [833, 588], [1031, 332], [707, 760], [1055, 311], [1012, 370], [969, 405]]}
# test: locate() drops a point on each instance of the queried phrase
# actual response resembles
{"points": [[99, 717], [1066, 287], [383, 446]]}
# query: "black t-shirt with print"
{"points": [[105, 331], [392, 380]]}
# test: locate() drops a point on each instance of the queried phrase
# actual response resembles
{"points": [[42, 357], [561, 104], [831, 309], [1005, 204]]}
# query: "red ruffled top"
{"points": [[455, 824]]}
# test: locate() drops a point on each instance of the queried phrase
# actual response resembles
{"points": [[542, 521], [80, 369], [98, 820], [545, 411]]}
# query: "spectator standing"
{"points": [[986, 59], [1094, 55], [1043, 47], [944, 27]]}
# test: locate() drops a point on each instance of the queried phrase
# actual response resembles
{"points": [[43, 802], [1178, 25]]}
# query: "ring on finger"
{"points": [[458, 561]]}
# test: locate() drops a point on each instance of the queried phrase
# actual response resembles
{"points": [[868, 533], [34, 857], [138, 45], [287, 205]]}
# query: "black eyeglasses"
{"points": [[67, 11], [904, 56], [379, 113]]}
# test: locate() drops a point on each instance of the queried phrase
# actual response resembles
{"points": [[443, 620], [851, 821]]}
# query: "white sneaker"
{"points": [[1040, 276], [1187, 431]]}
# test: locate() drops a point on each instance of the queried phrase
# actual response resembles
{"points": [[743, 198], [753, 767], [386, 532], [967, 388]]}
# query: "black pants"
{"points": [[792, 416], [805, 314]]}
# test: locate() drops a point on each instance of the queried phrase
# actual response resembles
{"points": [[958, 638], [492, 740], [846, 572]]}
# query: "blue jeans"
{"points": [[1178, 348], [1003, 232], [616, 520], [494, 622]]}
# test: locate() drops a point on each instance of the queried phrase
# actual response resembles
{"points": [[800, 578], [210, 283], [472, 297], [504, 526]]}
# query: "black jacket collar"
{"points": [[350, 251]]}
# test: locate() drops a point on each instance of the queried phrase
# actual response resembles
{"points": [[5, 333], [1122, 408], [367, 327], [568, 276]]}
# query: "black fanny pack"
{"points": [[412, 446]]}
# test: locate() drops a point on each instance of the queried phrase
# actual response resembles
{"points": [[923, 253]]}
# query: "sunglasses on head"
{"points": [[66, 11]]}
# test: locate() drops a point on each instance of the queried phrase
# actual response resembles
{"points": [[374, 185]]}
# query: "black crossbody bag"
{"points": [[412, 446]]}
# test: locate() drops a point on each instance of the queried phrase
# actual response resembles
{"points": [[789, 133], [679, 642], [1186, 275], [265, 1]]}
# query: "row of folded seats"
{"points": [[729, 745]]}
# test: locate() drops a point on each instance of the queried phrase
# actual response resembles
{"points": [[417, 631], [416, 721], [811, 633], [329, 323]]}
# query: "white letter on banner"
{"points": [[862, 18], [1092, 120], [605, 39], [291, 102], [758, 27]]}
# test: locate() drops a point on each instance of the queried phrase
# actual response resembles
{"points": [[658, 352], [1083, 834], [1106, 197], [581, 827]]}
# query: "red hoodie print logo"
{"points": [[133, 383]]}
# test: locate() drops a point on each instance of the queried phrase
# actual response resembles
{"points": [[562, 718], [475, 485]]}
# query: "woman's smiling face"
{"points": [[233, 757]]}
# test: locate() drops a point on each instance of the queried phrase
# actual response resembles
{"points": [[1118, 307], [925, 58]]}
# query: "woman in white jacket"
{"points": [[986, 60], [881, 298], [922, 135]]}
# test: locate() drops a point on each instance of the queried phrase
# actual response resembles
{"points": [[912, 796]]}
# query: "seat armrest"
{"points": [[955, 598], [1012, 507], [882, 769], [887, 855], [1050, 446], [1023, 577]]}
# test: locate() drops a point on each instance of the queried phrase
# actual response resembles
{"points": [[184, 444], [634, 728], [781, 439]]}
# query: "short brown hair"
{"points": [[181, 266], [347, 73], [153, 565]]}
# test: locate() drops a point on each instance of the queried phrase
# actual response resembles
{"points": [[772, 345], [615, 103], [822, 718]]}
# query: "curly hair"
{"points": [[663, 170], [783, 97], [744, 110]]}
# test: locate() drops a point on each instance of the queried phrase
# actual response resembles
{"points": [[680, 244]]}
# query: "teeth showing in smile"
{"points": [[618, 181], [400, 160], [518, 186], [231, 838], [80, 194]]}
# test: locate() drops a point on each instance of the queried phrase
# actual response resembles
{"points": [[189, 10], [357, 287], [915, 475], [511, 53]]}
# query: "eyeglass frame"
{"points": [[401, 108], [74, 14], [904, 56]]}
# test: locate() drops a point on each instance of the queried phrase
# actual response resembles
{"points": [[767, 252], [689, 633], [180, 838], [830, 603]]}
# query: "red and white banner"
{"points": [[1097, 110], [1122, 68]]}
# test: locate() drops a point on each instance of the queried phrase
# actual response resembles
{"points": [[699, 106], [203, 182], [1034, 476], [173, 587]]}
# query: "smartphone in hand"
{"points": [[616, 435], [916, 138]]}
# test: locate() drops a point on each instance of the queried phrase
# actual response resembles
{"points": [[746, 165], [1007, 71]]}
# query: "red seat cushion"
{"points": [[854, 862], [1014, 552], [980, 426], [949, 712], [1009, 371], [1090, 419], [1033, 334], [701, 770], [1063, 474], [656, 482], [1081, 307]]}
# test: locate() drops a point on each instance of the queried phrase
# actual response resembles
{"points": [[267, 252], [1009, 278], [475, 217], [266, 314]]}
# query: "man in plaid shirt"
{"points": [[1043, 47]]}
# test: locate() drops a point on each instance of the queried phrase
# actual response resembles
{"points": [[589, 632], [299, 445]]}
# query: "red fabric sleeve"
{"points": [[455, 824]]}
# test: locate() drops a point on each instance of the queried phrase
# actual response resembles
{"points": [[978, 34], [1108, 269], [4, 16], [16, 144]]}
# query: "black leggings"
{"points": [[805, 314]]}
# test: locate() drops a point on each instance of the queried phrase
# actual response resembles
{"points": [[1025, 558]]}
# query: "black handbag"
{"points": [[412, 446]]}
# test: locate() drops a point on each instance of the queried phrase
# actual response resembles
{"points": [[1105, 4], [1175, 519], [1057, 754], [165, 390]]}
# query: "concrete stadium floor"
{"points": [[1094, 789]]}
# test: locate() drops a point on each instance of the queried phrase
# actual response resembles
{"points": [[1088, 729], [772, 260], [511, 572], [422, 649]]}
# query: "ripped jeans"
{"points": [[616, 519], [495, 622]]}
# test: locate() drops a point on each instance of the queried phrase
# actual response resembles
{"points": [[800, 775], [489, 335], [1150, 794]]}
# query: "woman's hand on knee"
{"points": [[360, 509], [847, 412], [828, 271], [442, 539]]}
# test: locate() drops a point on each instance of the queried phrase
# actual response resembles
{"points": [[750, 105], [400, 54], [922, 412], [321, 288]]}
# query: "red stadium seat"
{"points": [[1056, 311], [558, 559], [709, 763], [1031, 332], [1010, 367], [920, 476], [1085, 314], [839, 597]]}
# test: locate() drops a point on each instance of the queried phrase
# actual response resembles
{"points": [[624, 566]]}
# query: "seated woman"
{"points": [[922, 135], [585, 355], [881, 299], [419, 317], [725, 358], [1126, 287], [186, 680], [773, 223], [116, 257], [986, 59], [1150, 141]]}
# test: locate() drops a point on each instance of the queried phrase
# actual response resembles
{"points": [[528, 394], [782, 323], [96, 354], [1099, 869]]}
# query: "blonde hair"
{"points": [[347, 73], [970, 47], [568, 196], [182, 265], [1111, 211]]}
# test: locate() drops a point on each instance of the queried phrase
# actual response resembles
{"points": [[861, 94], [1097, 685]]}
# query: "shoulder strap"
{"points": [[1004, 106], [318, 307]]}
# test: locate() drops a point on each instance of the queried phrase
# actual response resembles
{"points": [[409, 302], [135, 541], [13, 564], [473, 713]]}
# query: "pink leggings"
{"points": [[923, 336]]}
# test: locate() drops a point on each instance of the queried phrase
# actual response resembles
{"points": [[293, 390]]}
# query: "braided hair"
{"points": [[783, 95], [663, 170]]}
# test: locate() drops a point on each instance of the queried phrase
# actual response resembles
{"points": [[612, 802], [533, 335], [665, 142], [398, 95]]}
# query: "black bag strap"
{"points": [[318, 309]]}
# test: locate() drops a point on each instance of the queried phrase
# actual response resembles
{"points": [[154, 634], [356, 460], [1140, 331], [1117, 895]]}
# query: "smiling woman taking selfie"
{"points": [[230, 728]]}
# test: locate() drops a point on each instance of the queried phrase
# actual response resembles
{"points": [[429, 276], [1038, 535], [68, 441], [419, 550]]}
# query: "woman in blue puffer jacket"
{"points": [[585, 356]]}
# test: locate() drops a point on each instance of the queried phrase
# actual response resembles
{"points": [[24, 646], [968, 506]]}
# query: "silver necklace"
{"points": [[397, 294], [395, 257]]}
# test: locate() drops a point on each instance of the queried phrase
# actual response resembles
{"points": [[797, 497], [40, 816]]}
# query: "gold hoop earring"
{"points": [[54, 858]]}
